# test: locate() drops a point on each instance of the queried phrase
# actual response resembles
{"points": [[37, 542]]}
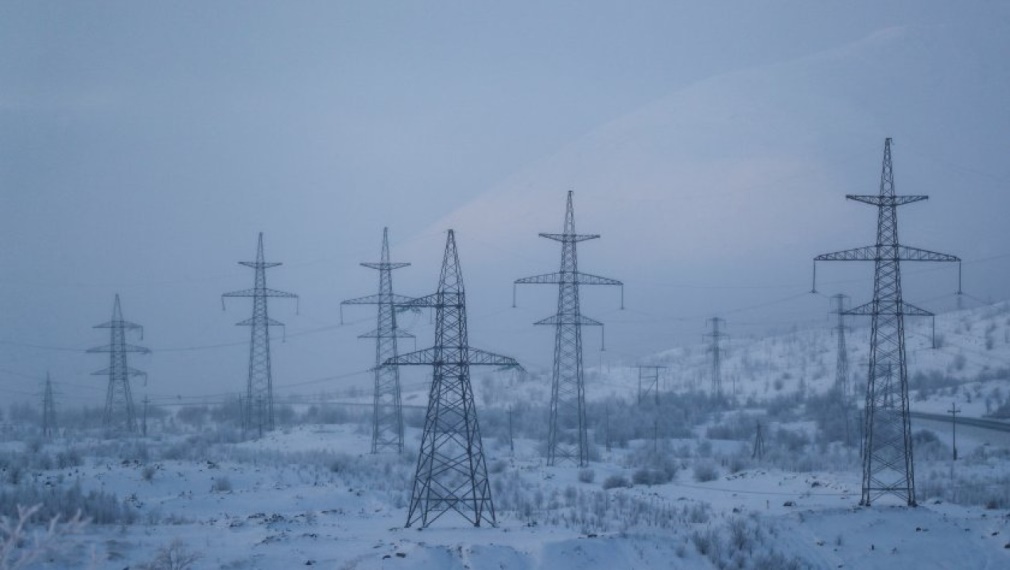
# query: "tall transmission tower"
{"points": [[259, 400], [451, 472], [568, 435], [716, 349], [648, 381], [119, 411], [887, 435], [48, 409], [842, 366], [387, 414]]}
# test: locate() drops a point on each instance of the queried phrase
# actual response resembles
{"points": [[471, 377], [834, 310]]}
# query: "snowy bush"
{"points": [[615, 481], [174, 556], [647, 476], [705, 471], [221, 485], [19, 547], [97, 506]]}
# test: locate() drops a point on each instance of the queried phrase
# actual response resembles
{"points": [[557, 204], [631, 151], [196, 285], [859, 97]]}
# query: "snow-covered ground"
{"points": [[690, 494], [311, 496]]}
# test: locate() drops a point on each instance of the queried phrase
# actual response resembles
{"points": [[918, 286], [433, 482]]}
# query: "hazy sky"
{"points": [[143, 146]]}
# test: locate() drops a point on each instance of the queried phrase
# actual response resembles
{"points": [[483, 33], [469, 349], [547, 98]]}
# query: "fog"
{"points": [[143, 147]]}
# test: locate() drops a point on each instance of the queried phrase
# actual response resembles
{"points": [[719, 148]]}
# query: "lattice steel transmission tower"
{"points": [[119, 412], [259, 402], [387, 413], [48, 409], [648, 381], [716, 349], [568, 435], [887, 436], [451, 472]]}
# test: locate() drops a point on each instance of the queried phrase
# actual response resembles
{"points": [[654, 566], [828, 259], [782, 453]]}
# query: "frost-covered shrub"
{"points": [[928, 446], [615, 481], [221, 485], [705, 471], [706, 541], [497, 466], [19, 547], [652, 476], [173, 556], [97, 506], [68, 458]]}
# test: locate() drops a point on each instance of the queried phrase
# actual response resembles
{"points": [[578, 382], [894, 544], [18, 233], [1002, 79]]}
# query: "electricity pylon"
{"points": [[568, 436], [48, 409], [759, 444], [887, 434], [451, 472], [259, 385], [387, 413], [648, 381], [716, 350], [842, 367], [119, 412]]}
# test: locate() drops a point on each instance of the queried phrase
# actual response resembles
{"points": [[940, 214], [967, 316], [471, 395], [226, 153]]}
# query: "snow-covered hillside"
{"points": [[969, 365]]}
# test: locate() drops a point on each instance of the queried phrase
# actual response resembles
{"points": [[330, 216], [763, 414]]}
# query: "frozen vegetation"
{"points": [[676, 484]]}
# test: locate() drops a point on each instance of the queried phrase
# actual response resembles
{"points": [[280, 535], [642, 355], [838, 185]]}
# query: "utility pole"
{"points": [[888, 467], [144, 422], [451, 471], [655, 436], [759, 444], [119, 412], [568, 435], [512, 446], [716, 335], [648, 380], [48, 409], [259, 383], [953, 411], [607, 425], [387, 412], [842, 367]]}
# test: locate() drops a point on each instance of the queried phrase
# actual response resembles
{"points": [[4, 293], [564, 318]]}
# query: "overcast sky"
{"points": [[144, 145]]}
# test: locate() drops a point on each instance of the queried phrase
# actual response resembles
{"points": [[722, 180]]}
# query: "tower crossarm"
{"points": [[871, 253], [574, 238], [251, 322], [383, 265], [906, 253], [589, 279], [440, 299], [885, 200], [114, 324], [559, 277], [125, 348], [130, 371], [567, 277], [260, 264], [866, 253], [397, 333], [266, 292], [875, 253], [887, 308], [379, 299], [567, 319], [545, 279], [470, 356]]}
